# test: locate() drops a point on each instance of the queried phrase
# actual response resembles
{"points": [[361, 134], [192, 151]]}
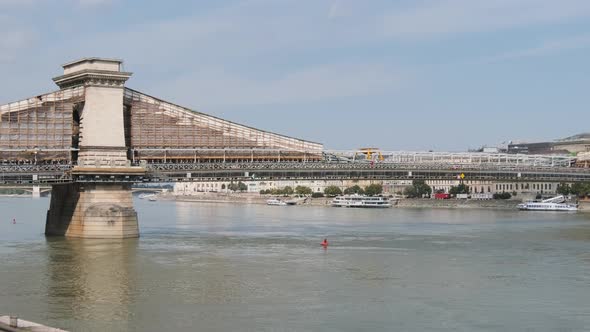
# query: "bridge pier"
{"points": [[92, 210], [98, 204], [36, 191]]}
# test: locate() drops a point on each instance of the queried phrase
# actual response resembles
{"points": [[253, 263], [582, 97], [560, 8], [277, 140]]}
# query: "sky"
{"points": [[443, 75]]}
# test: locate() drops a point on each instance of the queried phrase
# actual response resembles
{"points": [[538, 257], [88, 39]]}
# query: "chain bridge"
{"points": [[93, 138]]}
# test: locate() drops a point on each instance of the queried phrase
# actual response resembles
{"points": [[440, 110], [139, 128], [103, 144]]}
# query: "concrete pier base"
{"points": [[36, 192], [92, 210]]}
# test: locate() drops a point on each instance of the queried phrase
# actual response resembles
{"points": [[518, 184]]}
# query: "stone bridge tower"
{"points": [[102, 137], [99, 203]]}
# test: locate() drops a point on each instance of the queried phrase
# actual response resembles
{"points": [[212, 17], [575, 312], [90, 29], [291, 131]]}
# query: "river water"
{"points": [[222, 267]]}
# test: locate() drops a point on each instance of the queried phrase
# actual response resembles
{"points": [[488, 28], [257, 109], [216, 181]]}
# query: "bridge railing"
{"points": [[368, 166], [51, 173], [455, 158], [44, 168]]}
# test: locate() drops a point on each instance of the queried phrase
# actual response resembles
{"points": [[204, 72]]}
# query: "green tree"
{"points": [[460, 189], [374, 189], [288, 190], [580, 189], [242, 186], [303, 190], [233, 186], [419, 188], [411, 192], [502, 196], [577, 188], [354, 190], [563, 189], [333, 191]]}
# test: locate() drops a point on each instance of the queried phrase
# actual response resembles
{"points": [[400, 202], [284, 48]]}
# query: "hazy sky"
{"points": [[400, 75]]}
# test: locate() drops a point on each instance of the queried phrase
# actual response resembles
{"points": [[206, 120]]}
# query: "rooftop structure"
{"points": [[569, 145], [576, 138]]}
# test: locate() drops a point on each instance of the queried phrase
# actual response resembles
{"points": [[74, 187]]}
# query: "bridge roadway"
{"points": [[179, 172]]}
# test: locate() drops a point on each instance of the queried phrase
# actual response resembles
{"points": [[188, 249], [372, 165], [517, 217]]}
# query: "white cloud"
{"points": [[246, 28], [13, 39], [446, 17], [13, 2], [20, 3], [233, 51], [251, 33], [547, 48], [216, 87], [340, 8], [255, 28], [94, 2]]}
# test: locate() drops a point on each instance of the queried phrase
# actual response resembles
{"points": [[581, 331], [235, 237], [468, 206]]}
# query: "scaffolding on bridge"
{"points": [[44, 129], [159, 131], [40, 129]]}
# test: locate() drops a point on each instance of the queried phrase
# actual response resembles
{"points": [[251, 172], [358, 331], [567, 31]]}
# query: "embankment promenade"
{"points": [[254, 198]]}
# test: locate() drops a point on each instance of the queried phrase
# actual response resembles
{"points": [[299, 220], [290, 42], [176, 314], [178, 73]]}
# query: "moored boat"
{"points": [[274, 201], [361, 201], [551, 204]]}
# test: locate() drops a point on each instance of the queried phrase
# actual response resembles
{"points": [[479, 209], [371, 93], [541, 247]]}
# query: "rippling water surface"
{"points": [[221, 267]]}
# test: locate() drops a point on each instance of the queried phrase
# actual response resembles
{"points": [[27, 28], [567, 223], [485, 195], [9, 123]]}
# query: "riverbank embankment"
{"points": [[243, 198], [497, 204], [255, 198]]}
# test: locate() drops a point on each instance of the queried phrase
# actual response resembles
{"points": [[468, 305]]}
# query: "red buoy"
{"points": [[325, 243]]}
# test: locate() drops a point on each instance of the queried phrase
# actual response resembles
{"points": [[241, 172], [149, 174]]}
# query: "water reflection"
{"points": [[91, 279]]}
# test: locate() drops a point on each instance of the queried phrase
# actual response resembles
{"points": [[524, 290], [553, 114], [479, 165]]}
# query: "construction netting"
{"points": [[39, 129], [159, 130]]}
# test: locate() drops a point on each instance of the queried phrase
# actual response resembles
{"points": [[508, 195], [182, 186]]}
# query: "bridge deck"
{"points": [[172, 172]]}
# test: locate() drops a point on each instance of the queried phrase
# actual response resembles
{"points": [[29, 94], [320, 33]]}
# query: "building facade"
{"points": [[389, 186]]}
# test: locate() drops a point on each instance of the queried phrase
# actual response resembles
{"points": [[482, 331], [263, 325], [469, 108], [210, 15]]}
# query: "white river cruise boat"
{"points": [[361, 201], [274, 201], [551, 204]]}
